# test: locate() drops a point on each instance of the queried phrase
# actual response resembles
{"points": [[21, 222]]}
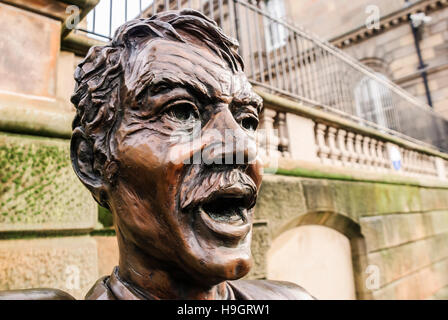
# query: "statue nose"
{"points": [[226, 142]]}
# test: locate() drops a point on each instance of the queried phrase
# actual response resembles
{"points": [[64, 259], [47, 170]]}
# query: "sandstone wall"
{"points": [[402, 229]]}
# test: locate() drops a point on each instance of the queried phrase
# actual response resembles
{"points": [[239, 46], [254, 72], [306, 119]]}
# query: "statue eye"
{"points": [[184, 112], [249, 123]]}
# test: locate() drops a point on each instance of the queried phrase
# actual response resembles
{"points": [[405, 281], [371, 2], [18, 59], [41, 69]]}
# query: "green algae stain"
{"points": [[38, 184]]}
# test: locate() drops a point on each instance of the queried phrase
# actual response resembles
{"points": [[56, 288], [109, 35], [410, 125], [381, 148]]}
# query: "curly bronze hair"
{"points": [[99, 81]]}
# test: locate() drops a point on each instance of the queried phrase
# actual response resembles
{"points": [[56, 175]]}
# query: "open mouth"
{"points": [[226, 209], [221, 202], [227, 212]]}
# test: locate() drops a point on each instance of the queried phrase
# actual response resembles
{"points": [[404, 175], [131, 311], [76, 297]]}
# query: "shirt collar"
{"points": [[122, 290]]}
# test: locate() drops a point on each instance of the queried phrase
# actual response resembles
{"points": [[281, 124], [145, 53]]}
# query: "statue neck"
{"points": [[150, 278]]}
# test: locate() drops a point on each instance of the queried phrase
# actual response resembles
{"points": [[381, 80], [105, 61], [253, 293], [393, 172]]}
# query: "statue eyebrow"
{"points": [[165, 82], [169, 83], [249, 99]]}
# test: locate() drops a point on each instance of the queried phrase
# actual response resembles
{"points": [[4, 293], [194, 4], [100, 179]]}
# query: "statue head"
{"points": [[164, 137]]}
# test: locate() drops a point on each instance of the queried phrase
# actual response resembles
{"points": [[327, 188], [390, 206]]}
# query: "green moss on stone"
{"points": [[317, 174], [39, 186]]}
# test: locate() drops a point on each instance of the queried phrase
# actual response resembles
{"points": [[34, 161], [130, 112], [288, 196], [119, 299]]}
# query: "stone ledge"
{"points": [[39, 190], [35, 115], [433, 199], [280, 200], [307, 169]]}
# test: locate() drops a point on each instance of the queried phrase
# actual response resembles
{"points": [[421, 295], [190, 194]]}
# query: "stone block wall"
{"points": [[403, 228], [39, 191], [68, 263], [46, 216]]}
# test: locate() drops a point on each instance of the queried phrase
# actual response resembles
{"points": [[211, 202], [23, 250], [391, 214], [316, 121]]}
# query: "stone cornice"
{"points": [[387, 22]]}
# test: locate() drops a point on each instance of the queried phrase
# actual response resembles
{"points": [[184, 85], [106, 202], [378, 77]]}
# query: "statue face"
{"points": [[171, 197]]}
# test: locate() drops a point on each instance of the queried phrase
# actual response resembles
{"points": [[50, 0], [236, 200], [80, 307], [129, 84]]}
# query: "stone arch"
{"points": [[338, 227], [377, 65], [363, 51]]}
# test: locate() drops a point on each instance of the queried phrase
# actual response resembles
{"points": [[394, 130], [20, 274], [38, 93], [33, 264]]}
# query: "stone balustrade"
{"points": [[303, 133], [340, 147]]}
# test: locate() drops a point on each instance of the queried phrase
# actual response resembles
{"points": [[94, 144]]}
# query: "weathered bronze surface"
{"points": [[164, 136], [35, 294]]}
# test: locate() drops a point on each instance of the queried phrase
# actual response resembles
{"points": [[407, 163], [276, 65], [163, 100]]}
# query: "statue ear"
{"points": [[81, 153]]}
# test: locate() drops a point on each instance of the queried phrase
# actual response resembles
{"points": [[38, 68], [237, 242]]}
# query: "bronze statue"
{"points": [[164, 136]]}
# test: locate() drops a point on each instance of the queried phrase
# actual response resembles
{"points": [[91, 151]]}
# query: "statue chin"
{"points": [[217, 264], [213, 273]]}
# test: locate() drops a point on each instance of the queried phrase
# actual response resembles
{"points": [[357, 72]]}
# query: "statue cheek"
{"points": [[255, 171], [141, 149], [178, 155]]}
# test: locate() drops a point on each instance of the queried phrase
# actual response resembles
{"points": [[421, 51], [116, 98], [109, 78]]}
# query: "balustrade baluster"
{"points": [[366, 153], [373, 155], [383, 163], [359, 151], [283, 134], [351, 149], [270, 133], [334, 150], [322, 149], [343, 148]]}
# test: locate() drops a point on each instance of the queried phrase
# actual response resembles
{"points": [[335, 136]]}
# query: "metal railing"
{"points": [[287, 60]]}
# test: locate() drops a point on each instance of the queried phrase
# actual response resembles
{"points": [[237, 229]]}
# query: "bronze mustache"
{"points": [[230, 183]]}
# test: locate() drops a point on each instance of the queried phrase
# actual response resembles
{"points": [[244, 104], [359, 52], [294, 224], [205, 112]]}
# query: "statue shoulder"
{"points": [[268, 290]]}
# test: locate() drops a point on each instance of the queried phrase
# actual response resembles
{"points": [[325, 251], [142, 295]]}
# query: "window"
{"points": [[276, 34], [374, 102]]}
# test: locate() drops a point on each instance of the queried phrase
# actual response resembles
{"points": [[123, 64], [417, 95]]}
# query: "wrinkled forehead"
{"points": [[171, 63]]}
